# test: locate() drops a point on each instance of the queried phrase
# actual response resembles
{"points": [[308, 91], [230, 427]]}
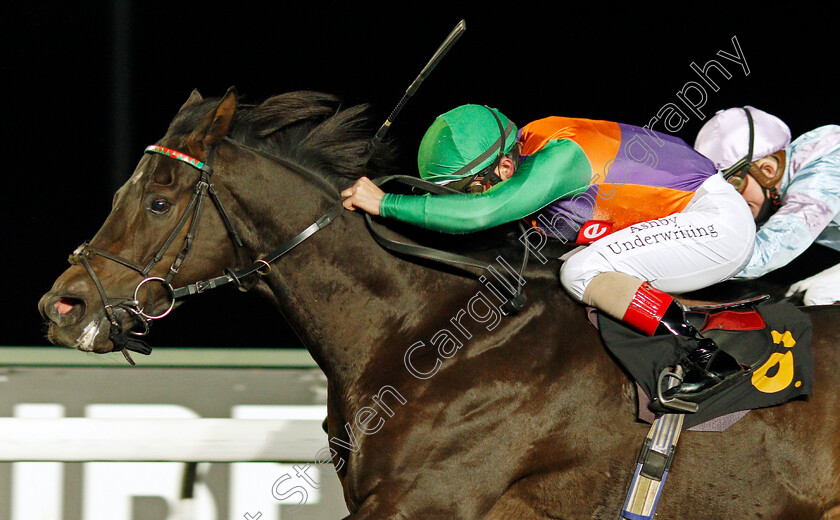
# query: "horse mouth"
{"points": [[70, 324], [91, 337]]}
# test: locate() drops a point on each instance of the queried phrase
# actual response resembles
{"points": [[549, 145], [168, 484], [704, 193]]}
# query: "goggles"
{"points": [[736, 175]]}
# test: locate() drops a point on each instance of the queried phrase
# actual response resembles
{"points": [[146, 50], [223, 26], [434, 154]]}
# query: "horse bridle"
{"points": [[262, 266], [84, 253]]}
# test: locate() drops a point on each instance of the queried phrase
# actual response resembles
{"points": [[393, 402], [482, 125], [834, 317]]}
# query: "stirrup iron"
{"points": [[673, 403]]}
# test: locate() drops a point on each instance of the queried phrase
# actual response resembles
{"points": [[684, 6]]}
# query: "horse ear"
{"points": [[216, 124], [195, 98]]}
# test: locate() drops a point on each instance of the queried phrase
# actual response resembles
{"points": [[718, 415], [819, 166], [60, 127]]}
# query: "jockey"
{"points": [[793, 190], [656, 215]]}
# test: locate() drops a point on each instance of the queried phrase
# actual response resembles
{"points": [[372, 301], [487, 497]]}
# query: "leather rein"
{"points": [[125, 339]]}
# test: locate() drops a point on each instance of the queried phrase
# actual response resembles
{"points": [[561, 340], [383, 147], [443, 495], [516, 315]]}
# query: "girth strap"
{"points": [[653, 464]]}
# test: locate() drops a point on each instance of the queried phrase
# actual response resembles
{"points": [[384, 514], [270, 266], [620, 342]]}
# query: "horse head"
{"points": [[122, 278], [226, 183]]}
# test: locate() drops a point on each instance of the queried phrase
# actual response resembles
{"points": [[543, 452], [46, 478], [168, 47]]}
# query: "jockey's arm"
{"points": [[552, 174], [811, 203]]}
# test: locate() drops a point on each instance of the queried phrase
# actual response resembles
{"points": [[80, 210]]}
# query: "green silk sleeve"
{"points": [[558, 170]]}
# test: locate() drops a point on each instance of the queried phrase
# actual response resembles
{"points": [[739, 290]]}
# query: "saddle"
{"points": [[772, 338]]}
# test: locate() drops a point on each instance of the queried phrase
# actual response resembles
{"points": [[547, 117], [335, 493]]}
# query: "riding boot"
{"points": [[707, 368]]}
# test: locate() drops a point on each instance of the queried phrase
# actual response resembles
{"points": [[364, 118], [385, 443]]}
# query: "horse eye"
{"points": [[159, 206]]}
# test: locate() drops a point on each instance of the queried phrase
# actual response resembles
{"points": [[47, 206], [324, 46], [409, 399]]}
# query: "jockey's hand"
{"points": [[364, 195]]}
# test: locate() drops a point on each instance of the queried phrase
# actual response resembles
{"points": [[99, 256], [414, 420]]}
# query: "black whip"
{"points": [[439, 54]]}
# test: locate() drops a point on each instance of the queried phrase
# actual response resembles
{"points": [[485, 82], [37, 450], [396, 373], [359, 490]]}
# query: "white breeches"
{"points": [[821, 289], [708, 242]]}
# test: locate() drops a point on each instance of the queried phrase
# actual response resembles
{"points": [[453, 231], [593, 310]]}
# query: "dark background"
{"points": [[87, 85]]}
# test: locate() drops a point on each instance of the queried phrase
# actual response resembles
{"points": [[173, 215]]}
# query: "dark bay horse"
{"points": [[439, 406]]}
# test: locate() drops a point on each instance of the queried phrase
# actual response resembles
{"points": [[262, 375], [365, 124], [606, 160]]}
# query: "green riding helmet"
{"points": [[464, 141]]}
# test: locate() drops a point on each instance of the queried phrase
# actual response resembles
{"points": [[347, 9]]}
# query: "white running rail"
{"points": [[164, 440]]}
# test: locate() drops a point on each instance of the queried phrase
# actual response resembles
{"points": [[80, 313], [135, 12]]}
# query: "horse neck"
{"points": [[341, 292], [349, 299]]}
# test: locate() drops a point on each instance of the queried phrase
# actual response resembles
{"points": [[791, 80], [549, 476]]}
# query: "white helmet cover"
{"points": [[725, 138]]}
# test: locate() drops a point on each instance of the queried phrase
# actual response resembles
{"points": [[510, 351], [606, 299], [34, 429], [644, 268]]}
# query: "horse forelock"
{"points": [[311, 129]]}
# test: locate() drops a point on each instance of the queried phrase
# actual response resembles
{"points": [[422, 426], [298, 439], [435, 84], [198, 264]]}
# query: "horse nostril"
{"points": [[65, 307]]}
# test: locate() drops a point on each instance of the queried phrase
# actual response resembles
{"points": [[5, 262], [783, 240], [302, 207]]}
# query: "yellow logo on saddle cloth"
{"points": [[783, 375]]}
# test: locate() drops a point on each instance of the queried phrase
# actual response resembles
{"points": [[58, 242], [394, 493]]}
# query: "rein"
{"points": [[515, 304], [262, 267]]}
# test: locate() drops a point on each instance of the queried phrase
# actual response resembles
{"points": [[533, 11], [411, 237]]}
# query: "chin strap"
{"points": [[767, 209], [772, 203], [487, 177], [737, 173], [490, 176], [772, 194]]}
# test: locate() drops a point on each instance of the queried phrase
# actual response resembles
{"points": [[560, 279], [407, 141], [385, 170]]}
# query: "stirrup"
{"points": [[673, 403]]}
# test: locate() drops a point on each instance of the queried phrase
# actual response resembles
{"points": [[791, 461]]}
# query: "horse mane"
{"points": [[311, 129]]}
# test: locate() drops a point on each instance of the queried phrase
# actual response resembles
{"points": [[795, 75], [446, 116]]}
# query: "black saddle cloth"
{"points": [[774, 339]]}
